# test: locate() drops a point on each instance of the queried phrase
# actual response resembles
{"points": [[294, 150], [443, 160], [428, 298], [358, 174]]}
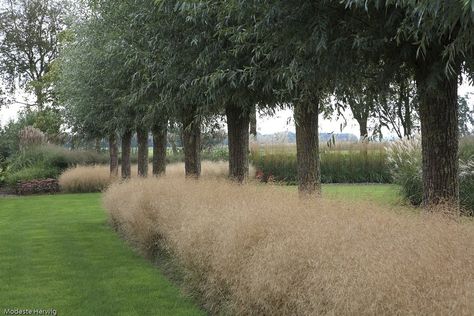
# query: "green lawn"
{"points": [[380, 193], [58, 252]]}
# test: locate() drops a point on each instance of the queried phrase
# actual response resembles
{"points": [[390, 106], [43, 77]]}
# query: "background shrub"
{"points": [[213, 154], [46, 161], [36, 172]]}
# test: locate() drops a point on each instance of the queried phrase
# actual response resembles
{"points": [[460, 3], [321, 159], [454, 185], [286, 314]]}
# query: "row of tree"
{"points": [[139, 66]]}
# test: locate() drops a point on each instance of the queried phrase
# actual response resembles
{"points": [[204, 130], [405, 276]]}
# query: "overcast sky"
{"points": [[282, 121]]}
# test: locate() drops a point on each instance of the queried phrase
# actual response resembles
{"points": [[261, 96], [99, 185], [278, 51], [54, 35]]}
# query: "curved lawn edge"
{"points": [[58, 252]]}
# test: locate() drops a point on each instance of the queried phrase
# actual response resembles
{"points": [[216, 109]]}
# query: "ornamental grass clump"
{"points": [[260, 250], [405, 162], [82, 179]]}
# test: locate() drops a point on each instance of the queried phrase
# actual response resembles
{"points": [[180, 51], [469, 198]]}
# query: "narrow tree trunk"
{"points": [[408, 120], [307, 147], [97, 145], [192, 144], [73, 143], [439, 132], [364, 134], [113, 153], [126, 148], [159, 150], [142, 141], [40, 98], [238, 134]]}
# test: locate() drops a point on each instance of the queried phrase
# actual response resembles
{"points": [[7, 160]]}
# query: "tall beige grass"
{"points": [[82, 179], [260, 250]]}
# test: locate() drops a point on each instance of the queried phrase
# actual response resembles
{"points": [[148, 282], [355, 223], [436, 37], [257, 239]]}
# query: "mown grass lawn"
{"points": [[387, 194], [58, 252]]}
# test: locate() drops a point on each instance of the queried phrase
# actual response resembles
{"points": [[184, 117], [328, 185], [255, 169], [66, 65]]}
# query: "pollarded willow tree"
{"points": [[182, 39], [112, 81], [295, 58], [228, 89], [436, 40], [84, 89]]}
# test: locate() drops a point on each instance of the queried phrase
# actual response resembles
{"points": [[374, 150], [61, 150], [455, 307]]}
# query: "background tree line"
{"points": [[144, 66]]}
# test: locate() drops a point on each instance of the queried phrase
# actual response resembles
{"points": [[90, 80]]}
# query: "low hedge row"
{"points": [[336, 166]]}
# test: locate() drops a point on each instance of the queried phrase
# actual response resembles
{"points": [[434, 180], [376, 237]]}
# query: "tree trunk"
{"points": [[364, 134], [307, 147], [126, 148], [113, 154], [40, 97], [408, 120], [253, 122], [142, 141], [238, 134], [192, 144], [97, 145], [439, 132], [159, 150]]}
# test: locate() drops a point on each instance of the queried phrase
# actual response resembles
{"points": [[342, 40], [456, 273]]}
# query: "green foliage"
{"points": [[55, 156], [466, 115], [34, 172], [336, 166], [47, 121], [466, 148], [354, 167], [213, 154], [29, 43], [3, 170], [466, 186], [46, 162]]}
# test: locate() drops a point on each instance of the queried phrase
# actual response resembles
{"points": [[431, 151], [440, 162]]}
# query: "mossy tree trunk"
{"points": [[113, 155], [438, 107], [238, 133], [159, 149], [192, 143], [126, 150], [307, 147], [142, 155]]}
